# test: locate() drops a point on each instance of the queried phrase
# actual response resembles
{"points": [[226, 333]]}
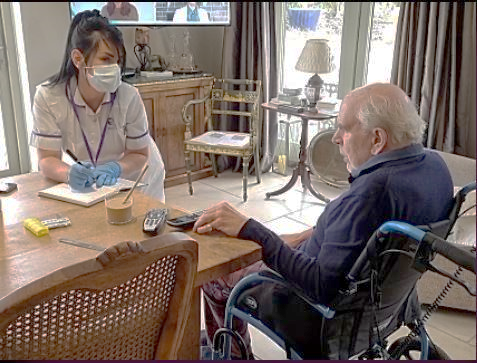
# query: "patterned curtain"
{"points": [[434, 63]]}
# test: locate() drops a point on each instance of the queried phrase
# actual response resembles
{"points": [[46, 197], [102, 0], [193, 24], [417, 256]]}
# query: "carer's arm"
{"points": [[132, 161]]}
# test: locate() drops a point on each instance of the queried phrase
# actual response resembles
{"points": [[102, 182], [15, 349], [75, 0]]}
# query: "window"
{"points": [[305, 21], [361, 37], [14, 103], [381, 46]]}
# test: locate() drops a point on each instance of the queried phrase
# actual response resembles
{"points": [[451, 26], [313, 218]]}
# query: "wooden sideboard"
{"points": [[163, 99]]}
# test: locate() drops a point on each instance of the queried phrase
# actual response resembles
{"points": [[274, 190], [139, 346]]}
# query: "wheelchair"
{"points": [[385, 276]]}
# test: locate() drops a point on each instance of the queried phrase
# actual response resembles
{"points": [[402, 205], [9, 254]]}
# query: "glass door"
{"points": [[305, 21], [383, 34], [361, 37]]}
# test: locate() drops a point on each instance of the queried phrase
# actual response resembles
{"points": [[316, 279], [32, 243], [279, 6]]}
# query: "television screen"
{"points": [[158, 13]]}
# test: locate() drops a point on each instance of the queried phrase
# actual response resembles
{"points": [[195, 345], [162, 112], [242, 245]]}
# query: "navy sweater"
{"points": [[410, 184]]}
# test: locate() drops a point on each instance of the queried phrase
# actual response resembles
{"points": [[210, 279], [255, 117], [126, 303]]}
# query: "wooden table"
{"points": [[25, 257], [302, 168]]}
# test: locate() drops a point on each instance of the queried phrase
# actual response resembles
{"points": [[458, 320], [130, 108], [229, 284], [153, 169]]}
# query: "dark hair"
{"points": [[86, 31]]}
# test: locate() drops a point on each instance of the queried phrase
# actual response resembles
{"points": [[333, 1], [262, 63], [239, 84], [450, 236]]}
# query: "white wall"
{"points": [[205, 45], [45, 28]]}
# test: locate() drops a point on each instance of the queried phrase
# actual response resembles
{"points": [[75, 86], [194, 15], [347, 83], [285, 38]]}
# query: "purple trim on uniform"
{"points": [[137, 137], [45, 135]]}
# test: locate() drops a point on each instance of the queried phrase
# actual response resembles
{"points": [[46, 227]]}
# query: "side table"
{"points": [[302, 170]]}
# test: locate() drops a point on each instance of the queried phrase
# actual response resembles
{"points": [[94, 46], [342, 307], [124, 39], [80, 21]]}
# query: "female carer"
{"points": [[87, 109]]}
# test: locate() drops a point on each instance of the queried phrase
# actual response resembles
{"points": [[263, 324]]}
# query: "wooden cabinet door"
{"points": [[169, 134], [163, 103]]}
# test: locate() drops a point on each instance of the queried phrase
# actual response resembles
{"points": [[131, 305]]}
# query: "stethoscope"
{"points": [[103, 134]]}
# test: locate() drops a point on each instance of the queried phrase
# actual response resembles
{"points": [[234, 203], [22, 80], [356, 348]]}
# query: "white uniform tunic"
{"points": [[56, 127]]}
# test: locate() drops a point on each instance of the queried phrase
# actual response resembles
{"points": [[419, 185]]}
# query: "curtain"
{"points": [[434, 63], [250, 52]]}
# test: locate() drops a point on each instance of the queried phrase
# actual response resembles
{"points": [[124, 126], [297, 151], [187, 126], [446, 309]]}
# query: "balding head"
{"points": [[374, 119], [386, 106], [386, 90]]}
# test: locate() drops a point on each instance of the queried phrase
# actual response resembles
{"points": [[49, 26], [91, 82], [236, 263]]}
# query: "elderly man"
{"points": [[392, 178]]}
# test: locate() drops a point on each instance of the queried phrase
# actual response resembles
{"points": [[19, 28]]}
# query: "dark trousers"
{"points": [[283, 311]]}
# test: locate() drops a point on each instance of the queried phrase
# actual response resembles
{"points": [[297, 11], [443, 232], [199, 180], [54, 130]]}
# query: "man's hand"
{"points": [[222, 217], [107, 174], [80, 176]]}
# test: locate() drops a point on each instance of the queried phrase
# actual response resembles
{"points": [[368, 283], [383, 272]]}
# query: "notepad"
{"points": [[89, 196]]}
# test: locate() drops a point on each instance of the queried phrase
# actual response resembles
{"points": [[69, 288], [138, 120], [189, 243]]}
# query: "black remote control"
{"points": [[185, 221], [154, 221]]}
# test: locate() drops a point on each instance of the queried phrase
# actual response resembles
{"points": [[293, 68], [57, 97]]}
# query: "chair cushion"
{"points": [[222, 138]]}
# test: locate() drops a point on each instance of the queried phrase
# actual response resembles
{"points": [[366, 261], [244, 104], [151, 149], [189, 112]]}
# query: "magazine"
{"points": [[224, 138]]}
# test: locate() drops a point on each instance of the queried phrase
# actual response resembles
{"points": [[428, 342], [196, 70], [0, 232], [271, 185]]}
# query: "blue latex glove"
{"points": [[81, 177], [107, 174]]}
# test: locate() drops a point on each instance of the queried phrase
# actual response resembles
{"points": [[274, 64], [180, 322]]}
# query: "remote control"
{"points": [[154, 221], [185, 221]]}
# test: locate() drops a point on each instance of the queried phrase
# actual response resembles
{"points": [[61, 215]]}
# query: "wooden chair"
{"points": [[227, 101], [130, 302]]}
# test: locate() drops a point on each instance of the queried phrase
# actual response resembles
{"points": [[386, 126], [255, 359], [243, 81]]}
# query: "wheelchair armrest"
{"points": [[275, 277]]}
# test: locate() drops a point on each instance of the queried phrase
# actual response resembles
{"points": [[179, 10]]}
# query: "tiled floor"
{"points": [[294, 211]]}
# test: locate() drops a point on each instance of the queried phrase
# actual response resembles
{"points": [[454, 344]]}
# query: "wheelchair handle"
{"points": [[458, 255], [461, 257]]}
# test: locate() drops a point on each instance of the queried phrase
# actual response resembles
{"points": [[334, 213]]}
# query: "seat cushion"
{"points": [[222, 139]]}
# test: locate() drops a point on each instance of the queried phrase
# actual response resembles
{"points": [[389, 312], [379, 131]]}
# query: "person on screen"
{"points": [[190, 13], [115, 10], [86, 108]]}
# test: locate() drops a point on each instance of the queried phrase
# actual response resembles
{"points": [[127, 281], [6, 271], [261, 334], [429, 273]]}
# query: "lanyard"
{"points": [[103, 134]]}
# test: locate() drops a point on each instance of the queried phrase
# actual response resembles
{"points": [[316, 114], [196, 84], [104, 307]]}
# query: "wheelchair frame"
{"points": [[419, 235]]}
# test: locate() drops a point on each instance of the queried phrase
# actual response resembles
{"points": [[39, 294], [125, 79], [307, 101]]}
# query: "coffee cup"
{"points": [[117, 211]]}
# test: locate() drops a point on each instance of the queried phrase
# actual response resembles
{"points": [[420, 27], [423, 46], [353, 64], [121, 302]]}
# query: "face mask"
{"points": [[104, 78]]}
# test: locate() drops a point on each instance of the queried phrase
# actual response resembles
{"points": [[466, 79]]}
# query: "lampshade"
{"points": [[315, 57]]}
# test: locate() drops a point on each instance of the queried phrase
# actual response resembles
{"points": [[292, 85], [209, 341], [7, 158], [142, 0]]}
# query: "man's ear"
{"points": [[380, 141], [77, 57]]}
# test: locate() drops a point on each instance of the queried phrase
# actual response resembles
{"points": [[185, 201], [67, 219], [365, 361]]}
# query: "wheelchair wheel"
{"points": [[410, 349]]}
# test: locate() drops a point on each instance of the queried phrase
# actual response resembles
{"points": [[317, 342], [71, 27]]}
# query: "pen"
{"points": [[73, 156]]}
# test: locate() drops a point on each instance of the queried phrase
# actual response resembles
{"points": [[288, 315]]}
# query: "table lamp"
{"points": [[314, 58]]}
